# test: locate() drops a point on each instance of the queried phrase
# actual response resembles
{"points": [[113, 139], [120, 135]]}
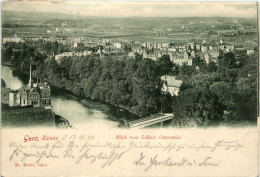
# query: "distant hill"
{"points": [[41, 17], [35, 16]]}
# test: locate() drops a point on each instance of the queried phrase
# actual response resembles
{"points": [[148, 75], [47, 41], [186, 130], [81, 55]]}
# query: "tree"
{"points": [[164, 65], [186, 71], [228, 61], [197, 61], [7, 54], [212, 67], [3, 84], [127, 48]]}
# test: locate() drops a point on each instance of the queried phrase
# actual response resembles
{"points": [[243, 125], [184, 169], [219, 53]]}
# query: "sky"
{"points": [[138, 9]]}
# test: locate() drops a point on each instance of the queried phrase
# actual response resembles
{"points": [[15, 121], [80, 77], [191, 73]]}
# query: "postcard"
{"points": [[116, 88]]}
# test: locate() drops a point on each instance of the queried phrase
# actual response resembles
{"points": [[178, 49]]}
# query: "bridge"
{"points": [[147, 121]]}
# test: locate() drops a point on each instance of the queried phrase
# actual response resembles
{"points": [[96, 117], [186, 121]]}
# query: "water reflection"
{"points": [[11, 81], [67, 106], [79, 115]]}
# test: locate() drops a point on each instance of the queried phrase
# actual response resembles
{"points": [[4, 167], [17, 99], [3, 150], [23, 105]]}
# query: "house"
{"points": [[191, 45], [75, 45], [149, 45], [144, 44], [211, 56], [179, 58], [185, 56], [64, 54], [145, 54], [88, 52], [249, 51], [192, 54], [225, 47], [106, 41], [53, 39], [34, 94], [15, 39], [31, 39], [165, 45], [37, 95], [172, 49], [137, 49], [159, 45], [117, 45], [213, 46], [131, 54], [171, 85], [204, 45], [154, 55], [106, 50], [197, 47], [204, 41], [204, 48]]}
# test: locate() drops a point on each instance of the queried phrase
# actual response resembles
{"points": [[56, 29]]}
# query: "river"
{"points": [[66, 105]]}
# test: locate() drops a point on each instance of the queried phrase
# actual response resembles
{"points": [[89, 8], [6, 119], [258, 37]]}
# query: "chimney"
{"points": [[30, 81]]}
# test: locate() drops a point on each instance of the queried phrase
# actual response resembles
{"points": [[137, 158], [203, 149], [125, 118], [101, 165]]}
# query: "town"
{"points": [[185, 66]]}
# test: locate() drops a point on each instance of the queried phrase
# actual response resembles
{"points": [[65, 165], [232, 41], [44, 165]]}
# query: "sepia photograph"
{"points": [[84, 67], [71, 66]]}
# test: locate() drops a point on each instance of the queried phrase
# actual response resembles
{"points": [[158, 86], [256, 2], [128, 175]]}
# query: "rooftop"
{"points": [[171, 81]]}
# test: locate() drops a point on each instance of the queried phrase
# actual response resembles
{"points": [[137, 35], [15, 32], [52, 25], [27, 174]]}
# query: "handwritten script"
{"points": [[86, 149]]}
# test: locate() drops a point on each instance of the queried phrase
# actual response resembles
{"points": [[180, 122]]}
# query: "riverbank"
{"points": [[82, 110], [118, 113], [114, 113]]}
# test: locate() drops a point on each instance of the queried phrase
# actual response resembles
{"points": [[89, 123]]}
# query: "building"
{"points": [[165, 45], [179, 58], [211, 56], [15, 39], [192, 54], [64, 54], [185, 56], [197, 47], [204, 45], [31, 39], [191, 44], [33, 94], [204, 48], [131, 54], [171, 85], [53, 39], [249, 51], [225, 47], [117, 45], [159, 45], [75, 44]]}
